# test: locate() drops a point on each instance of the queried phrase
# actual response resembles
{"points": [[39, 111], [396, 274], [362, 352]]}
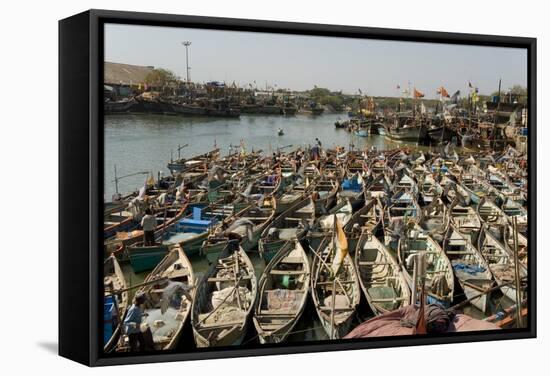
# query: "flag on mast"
{"points": [[340, 246], [418, 94]]}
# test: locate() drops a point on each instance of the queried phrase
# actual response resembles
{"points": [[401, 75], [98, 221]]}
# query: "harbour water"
{"points": [[145, 142]]}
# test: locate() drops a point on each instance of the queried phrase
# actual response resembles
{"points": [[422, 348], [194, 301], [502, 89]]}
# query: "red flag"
{"points": [[418, 94]]}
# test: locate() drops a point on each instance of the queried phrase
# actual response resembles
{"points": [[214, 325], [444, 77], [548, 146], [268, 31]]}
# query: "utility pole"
{"points": [[187, 44]]}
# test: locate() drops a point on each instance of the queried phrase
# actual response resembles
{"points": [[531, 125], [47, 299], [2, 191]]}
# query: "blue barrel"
{"points": [[523, 131]]}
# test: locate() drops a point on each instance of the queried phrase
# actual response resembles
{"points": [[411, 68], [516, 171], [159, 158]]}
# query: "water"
{"points": [[144, 142]]}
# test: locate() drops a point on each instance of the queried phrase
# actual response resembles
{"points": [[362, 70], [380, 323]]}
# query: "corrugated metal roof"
{"points": [[116, 73]]}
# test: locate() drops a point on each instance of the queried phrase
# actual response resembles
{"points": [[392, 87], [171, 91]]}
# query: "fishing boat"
{"points": [[324, 195], [477, 188], [368, 218], [115, 304], [324, 225], [283, 290], [290, 225], [184, 164], [470, 268], [248, 224], [167, 216], [352, 189], [281, 132], [513, 209], [429, 189], [168, 293], [379, 186], [439, 271], [402, 205], [500, 262], [406, 132], [466, 220], [435, 219], [454, 191], [335, 287], [118, 221], [380, 276], [493, 218], [224, 299]]}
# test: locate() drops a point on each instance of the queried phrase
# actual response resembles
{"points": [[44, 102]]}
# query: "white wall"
{"points": [[28, 205]]}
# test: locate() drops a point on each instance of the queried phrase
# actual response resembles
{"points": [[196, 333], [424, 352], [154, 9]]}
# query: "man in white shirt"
{"points": [[148, 223]]}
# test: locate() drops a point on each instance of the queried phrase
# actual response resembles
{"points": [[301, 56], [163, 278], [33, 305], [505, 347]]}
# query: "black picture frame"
{"points": [[81, 180]]}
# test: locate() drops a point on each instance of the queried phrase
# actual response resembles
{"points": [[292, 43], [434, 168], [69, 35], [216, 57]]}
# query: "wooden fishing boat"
{"points": [[466, 220], [324, 225], [368, 218], [145, 257], [429, 189], [353, 189], [115, 305], [454, 191], [403, 205], [167, 217], [283, 290], [439, 271], [224, 298], [184, 164], [435, 219], [500, 262], [493, 218], [290, 225], [477, 188], [324, 195], [118, 221], [168, 293], [259, 216], [380, 276], [379, 187], [470, 268], [335, 295], [512, 209]]}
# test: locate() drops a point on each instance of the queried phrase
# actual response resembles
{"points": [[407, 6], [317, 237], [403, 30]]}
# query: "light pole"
{"points": [[187, 44]]}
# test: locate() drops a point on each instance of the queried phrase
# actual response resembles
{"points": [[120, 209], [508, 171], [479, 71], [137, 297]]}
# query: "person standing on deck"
{"points": [[138, 340], [148, 223]]}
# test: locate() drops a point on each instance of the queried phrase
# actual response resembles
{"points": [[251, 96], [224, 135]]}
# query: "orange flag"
{"points": [[444, 93], [418, 94]]}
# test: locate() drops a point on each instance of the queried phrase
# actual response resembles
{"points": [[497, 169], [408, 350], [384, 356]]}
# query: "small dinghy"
{"points": [[381, 278], [335, 285], [168, 294], [470, 268], [283, 287], [224, 299]]}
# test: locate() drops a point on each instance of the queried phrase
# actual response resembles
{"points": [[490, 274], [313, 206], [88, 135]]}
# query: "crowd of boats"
{"points": [[337, 226], [479, 131], [207, 106]]}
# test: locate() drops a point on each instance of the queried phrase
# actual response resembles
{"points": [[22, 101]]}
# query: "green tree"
{"points": [[160, 77]]}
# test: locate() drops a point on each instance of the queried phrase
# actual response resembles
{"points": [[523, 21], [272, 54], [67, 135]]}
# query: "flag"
{"points": [[360, 92], [470, 85], [444, 93], [150, 181], [340, 246], [454, 98], [418, 94], [398, 87]]}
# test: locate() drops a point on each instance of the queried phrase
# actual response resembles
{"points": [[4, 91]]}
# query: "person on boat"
{"points": [[148, 223], [138, 340]]}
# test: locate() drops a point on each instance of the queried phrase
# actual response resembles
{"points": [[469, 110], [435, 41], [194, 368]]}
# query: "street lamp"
{"points": [[187, 44]]}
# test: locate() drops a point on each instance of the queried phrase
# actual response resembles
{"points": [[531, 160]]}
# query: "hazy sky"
{"points": [[299, 62]]}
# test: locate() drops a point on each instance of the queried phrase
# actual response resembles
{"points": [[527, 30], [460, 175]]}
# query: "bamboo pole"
{"points": [[333, 303]]}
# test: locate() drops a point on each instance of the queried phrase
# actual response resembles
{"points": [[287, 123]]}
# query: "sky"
{"points": [[299, 62]]}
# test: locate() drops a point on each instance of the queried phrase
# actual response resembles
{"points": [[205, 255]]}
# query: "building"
{"points": [[121, 80]]}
